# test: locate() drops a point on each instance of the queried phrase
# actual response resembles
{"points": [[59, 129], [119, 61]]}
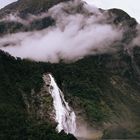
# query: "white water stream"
{"points": [[64, 115]]}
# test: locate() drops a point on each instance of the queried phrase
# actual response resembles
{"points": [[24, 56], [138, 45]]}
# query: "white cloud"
{"points": [[75, 35], [132, 7]]}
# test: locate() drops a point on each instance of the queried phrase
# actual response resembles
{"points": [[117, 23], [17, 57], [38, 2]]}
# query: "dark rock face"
{"points": [[13, 26], [10, 27], [24, 7], [120, 16], [71, 137], [136, 53], [121, 19]]}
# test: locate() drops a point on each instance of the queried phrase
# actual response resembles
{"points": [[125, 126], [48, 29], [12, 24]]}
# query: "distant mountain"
{"points": [[25, 7], [29, 6], [103, 89]]}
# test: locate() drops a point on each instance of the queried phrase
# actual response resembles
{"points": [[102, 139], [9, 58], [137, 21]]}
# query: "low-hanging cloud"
{"points": [[80, 30]]}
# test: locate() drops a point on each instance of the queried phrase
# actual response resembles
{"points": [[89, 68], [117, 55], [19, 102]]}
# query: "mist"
{"points": [[136, 40], [79, 30]]}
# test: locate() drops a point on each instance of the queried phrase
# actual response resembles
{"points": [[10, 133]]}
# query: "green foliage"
{"points": [[10, 27], [45, 131], [89, 84], [14, 27], [18, 78]]}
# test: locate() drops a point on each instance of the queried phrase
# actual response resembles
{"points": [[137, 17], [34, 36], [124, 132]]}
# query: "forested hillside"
{"points": [[103, 89]]}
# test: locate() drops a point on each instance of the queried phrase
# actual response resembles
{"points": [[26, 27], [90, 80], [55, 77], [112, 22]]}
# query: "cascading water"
{"points": [[64, 115]]}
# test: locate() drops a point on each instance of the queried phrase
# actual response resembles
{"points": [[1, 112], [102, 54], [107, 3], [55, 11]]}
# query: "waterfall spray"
{"points": [[64, 115]]}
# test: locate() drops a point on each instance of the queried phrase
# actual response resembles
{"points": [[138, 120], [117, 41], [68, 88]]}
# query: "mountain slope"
{"points": [[103, 89], [25, 7], [100, 94], [19, 119]]}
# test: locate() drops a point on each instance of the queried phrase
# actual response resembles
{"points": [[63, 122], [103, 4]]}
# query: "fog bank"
{"points": [[80, 30]]}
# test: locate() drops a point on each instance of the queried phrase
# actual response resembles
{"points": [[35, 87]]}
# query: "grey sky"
{"points": [[5, 2], [132, 7]]}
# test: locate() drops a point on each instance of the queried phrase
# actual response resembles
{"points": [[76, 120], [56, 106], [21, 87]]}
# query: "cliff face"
{"points": [[103, 89]]}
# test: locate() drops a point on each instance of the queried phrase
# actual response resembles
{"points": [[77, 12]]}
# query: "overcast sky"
{"points": [[132, 7], [5, 2]]}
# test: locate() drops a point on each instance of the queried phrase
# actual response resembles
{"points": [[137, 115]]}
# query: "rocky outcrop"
{"points": [[40, 104]]}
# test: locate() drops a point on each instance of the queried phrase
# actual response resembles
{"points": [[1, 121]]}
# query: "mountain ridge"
{"points": [[102, 88]]}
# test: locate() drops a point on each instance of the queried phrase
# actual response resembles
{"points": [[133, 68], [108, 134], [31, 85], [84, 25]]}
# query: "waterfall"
{"points": [[64, 115]]}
